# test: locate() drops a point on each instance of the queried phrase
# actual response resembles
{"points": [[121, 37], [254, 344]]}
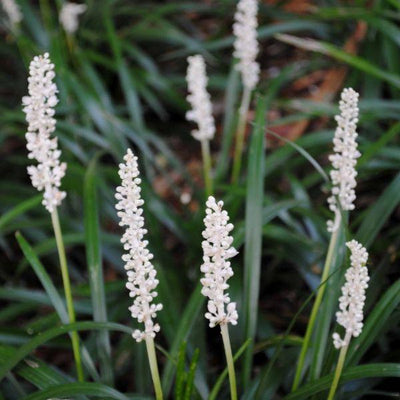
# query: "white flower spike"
{"points": [[246, 45], [344, 159], [39, 110], [217, 269], [351, 303], [142, 280], [69, 16], [13, 12], [199, 99]]}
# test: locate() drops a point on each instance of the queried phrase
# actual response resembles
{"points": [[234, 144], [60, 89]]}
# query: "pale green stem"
{"points": [[151, 353], [46, 13], [339, 368], [229, 360], [208, 181], [317, 303], [67, 289], [70, 42], [240, 133]]}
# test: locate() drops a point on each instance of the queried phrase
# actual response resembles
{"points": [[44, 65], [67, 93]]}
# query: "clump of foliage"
{"points": [[265, 125]]}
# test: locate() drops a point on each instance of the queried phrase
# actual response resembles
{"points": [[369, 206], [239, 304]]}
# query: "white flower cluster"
{"points": [[246, 45], [69, 16], [39, 110], [142, 280], [13, 11], [216, 267], [199, 99], [351, 303], [344, 159]]}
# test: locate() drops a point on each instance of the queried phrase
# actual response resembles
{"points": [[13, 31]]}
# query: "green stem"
{"points": [[243, 110], [151, 353], [317, 303], [339, 368], [46, 14], [67, 289], [229, 360], [205, 149]]}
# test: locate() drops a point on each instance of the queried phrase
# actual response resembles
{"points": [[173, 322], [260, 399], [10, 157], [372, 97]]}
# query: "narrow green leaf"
{"points": [[180, 373], [218, 384], [188, 317], [19, 209], [54, 296], [37, 372], [45, 336], [190, 377], [230, 114], [321, 339], [94, 263], [378, 213], [341, 55], [253, 231], [73, 389], [374, 324], [303, 152], [350, 374], [377, 145]]}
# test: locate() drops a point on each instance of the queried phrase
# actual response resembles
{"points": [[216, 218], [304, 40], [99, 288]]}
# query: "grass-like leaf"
{"points": [[54, 296], [253, 231], [52, 333], [86, 388], [95, 267], [350, 374]]}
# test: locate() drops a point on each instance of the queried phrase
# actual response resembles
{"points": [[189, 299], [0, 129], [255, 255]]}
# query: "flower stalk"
{"points": [[208, 180], [351, 305], [67, 290], [246, 50], [217, 250], [316, 305], [343, 177], [141, 273], [229, 360], [47, 174], [338, 370], [201, 113], [240, 134], [151, 354]]}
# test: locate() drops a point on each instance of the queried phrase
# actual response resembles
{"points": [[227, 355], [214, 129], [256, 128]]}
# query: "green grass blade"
{"points": [[37, 372], [95, 267], [73, 389], [190, 377], [253, 232], [341, 55], [374, 324], [218, 384], [19, 209], [127, 86], [379, 212], [44, 278], [180, 373], [187, 320], [45, 336], [377, 145], [327, 309], [54, 296], [304, 153], [362, 371], [229, 123]]}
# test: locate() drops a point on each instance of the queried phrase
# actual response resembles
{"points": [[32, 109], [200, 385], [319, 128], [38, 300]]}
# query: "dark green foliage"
{"points": [[121, 83]]}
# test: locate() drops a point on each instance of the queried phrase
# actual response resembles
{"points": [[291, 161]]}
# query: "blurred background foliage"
{"points": [[122, 84]]}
